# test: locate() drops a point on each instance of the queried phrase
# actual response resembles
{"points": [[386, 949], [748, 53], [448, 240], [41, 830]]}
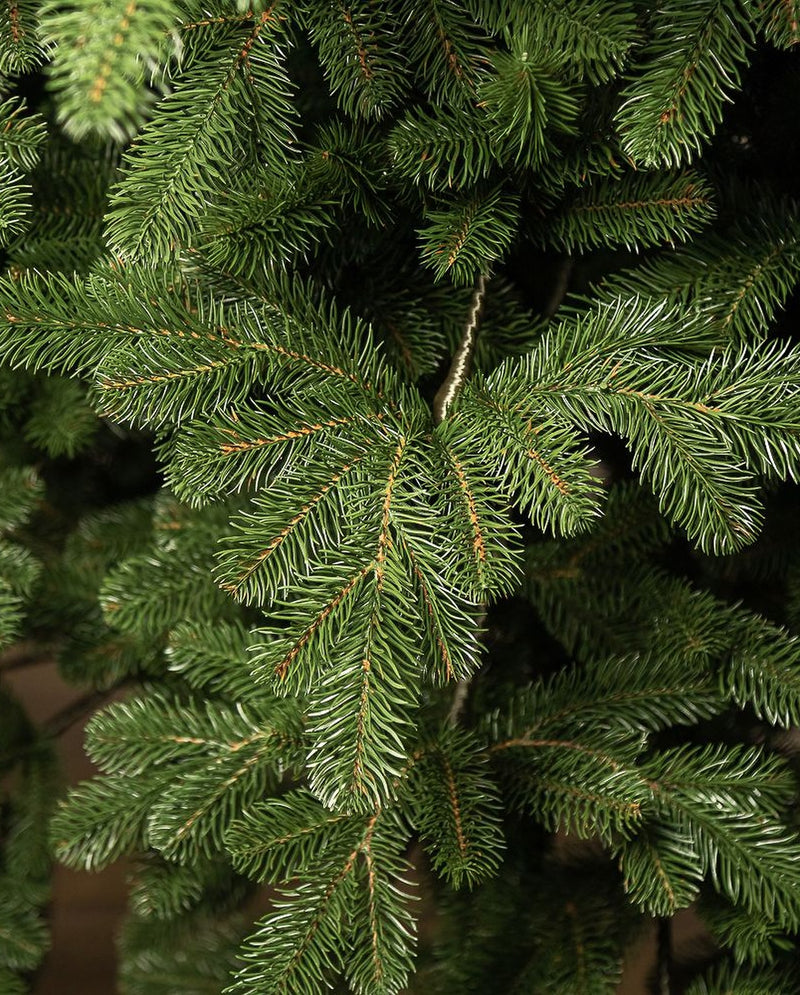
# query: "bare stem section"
{"points": [[459, 367]]}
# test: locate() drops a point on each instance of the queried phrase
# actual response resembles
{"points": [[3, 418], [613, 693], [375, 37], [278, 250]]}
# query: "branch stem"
{"points": [[22, 656], [459, 366], [66, 717]]}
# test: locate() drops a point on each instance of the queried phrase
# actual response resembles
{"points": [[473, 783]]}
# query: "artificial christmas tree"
{"points": [[396, 405]]}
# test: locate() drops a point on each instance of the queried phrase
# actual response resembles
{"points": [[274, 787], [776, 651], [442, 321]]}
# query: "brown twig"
{"points": [[26, 655], [560, 286], [66, 717]]}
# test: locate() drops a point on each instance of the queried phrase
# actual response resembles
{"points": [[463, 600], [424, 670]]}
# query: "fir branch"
{"points": [[159, 200], [365, 73], [442, 151], [638, 695], [744, 979], [213, 657], [637, 210], [22, 46], [726, 800], [24, 937], [487, 564], [593, 36], [588, 784], [686, 72], [105, 818], [23, 135], [22, 489], [98, 75], [661, 868], [741, 279], [779, 21], [527, 101], [447, 49], [675, 401], [273, 228], [15, 204], [468, 234], [455, 808]]}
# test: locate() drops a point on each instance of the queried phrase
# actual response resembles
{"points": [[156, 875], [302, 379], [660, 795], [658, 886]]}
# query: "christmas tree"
{"points": [[399, 403]]}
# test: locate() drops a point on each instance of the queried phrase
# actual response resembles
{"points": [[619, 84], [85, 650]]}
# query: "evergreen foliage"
{"points": [[399, 418]]}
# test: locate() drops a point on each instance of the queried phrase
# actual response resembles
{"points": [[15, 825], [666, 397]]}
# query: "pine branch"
{"points": [[740, 279], [22, 46], [442, 151], [456, 808], [779, 21], [687, 71], [99, 75], [637, 210], [468, 234], [726, 803], [23, 135], [364, 71], [595, 37], [527, 100], [354, 918], [744, 979], [196, 133], [447, 49]]}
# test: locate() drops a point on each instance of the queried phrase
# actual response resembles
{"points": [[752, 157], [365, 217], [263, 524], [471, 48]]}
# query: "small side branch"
{"points": [[459, 367], [560, 286], [76, 711], [26, 655], [459, 700]]}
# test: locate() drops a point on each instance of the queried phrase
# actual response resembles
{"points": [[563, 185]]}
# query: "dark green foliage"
{"points": [[197, 956], [441, 150], [467, 234], [197, 132], [528, 931], [23, 135], [61, 422], [741, 277], [446, 48], [70, 185], [723, 800], [593, 36], [356, 918], [364, 73], [424, 599], [22, 46], [456, 810], [779, 22], [688, 69], [745, 981], [751, 938], [526, 101], [637, 210]]}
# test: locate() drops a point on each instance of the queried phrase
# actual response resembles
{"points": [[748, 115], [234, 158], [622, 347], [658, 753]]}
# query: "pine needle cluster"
{"points": [[397, 403]]}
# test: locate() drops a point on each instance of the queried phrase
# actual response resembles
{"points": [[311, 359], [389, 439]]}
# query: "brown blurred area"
{"points": [[87, 909]]}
